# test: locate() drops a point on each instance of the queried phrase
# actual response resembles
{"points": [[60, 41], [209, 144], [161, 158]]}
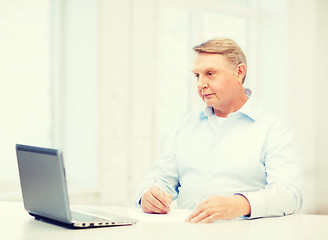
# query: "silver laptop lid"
{"points": [[43, 183]]}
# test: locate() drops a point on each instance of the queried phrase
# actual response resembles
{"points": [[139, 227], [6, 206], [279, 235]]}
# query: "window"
{"points": [[75, 74], [49, 86], [25, 93]]}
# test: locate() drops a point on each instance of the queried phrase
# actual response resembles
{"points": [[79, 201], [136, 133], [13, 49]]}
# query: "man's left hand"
{"points": [[219, 208]]}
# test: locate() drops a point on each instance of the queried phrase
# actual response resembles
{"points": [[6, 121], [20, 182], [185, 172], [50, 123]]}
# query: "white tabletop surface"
{"points": [[16, 223]]}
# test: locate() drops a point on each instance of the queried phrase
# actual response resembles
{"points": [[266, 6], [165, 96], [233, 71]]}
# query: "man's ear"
{"points": [[241, 71]]}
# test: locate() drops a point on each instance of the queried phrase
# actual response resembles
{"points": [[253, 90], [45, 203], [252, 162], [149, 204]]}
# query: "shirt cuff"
{"points": [[258, 204]]}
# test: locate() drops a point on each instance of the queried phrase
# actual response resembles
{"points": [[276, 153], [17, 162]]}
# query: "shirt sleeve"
{"points": [[164, 173], [282, 194]]}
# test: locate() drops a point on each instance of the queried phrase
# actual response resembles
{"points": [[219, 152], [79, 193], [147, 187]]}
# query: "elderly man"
{"points": [[234, 158]]}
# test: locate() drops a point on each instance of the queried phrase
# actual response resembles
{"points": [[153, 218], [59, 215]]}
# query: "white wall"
{"points": [[321, 87], [302, 94], [272, 80]]}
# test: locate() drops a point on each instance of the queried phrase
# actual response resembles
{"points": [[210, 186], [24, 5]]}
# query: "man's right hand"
{"points": [[155, 200]]}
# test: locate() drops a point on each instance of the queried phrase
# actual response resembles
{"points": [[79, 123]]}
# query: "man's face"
{"points": [[217, 80]]}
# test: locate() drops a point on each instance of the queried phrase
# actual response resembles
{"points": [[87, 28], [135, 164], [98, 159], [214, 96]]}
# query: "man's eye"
{"points": [[197, 75], [210, 73]]}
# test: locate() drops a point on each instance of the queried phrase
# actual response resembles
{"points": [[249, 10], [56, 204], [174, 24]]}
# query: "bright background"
{"points": [[106, 81]]}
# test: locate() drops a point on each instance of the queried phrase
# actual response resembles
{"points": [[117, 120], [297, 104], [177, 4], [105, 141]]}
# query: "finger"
{"points": [[158, 200], [200, 216], [166, 198], [155, 200], [148, 207], [161, 198], [211, 218], [200, 208], [146, 210], [169, 196], [149, 202], [194, 214], [151, 209]]}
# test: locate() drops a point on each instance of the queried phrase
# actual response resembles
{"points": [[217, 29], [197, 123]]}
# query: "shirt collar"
{"points": [[249, 109], [206, 113]]}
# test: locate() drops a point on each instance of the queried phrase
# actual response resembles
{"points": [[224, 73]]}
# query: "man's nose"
{"points": [[202, 83]]}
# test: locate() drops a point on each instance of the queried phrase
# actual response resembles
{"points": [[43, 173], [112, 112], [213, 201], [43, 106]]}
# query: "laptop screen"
{"points": [[43, 183]]}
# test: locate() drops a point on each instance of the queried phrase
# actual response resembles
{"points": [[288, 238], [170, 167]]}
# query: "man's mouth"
{"points": [[207, 95]]}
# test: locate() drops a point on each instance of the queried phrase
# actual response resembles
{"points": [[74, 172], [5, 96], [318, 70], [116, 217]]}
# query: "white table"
{"points": [[16, 223]]}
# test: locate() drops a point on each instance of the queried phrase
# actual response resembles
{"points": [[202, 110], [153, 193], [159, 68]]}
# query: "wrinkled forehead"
{"points": [[209, 60]]}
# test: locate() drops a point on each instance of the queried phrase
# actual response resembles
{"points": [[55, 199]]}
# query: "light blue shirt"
{"points": [[252, 152]]}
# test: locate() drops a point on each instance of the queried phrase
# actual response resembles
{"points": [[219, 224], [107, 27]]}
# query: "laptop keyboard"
{"points": [[81, 217]]}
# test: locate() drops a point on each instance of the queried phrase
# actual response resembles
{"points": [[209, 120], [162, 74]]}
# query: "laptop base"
{"points": [[76, 225]]}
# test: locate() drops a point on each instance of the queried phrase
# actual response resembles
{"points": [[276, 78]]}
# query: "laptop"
{"points": [[44, 190]]}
